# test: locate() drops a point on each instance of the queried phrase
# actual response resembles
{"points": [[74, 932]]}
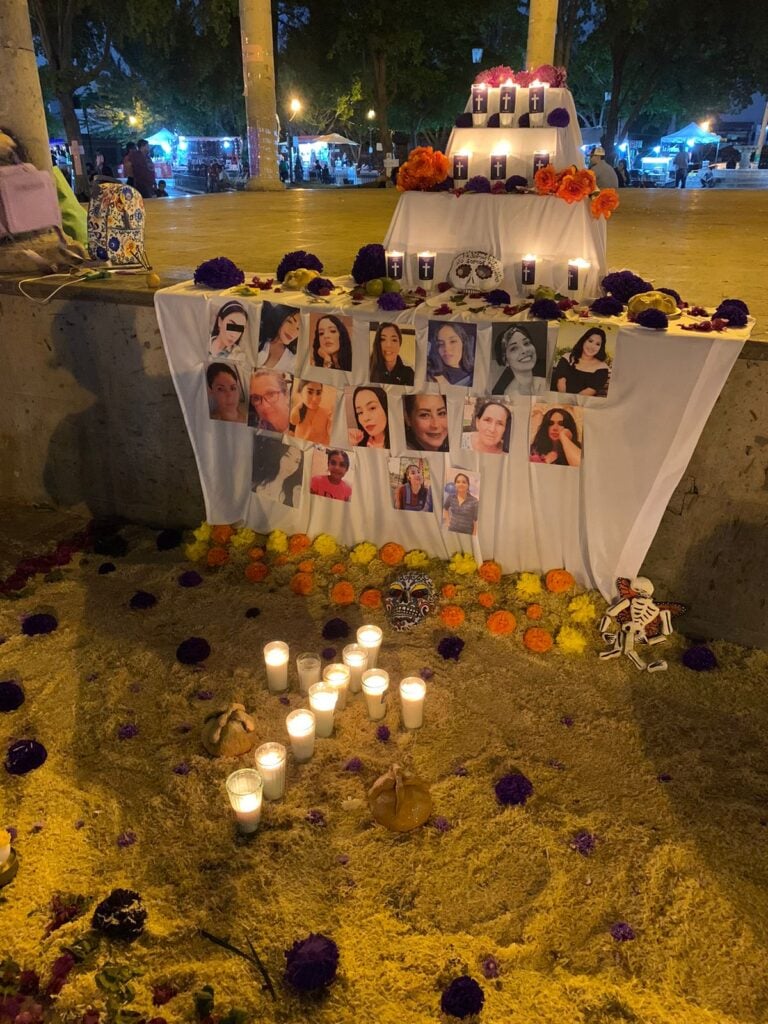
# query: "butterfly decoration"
{"points": [[624, 587]]}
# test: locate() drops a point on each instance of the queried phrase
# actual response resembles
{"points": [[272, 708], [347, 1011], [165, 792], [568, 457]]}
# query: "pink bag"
{"points": [[28, 200]]}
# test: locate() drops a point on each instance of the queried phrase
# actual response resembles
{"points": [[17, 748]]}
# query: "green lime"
{"points": [[390, 285], [374, 287]]}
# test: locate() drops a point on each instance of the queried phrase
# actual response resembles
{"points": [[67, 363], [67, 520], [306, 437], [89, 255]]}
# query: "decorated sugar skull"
{"points": [[409, 599], [475, 271]]}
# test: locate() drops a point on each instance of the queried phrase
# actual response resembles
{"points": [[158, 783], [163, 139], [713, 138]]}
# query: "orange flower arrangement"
{"points": [[559, 581], [392, 554], [501, 623], [256, 554], [306, 566], [537, 640], [570, 190], [282, 560], [587, 181], [302, 583], [256, 572], [486, 599], [490, 572], [452, 616], [298, 542], [221, 534], [534, 611], [342, 593], [371, 598], [217, 556], [449, 590], [605, 203], [424, 168], [545, 180], [338, 569]]}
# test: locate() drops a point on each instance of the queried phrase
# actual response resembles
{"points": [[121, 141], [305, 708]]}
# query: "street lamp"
{"points": [[371, 115], [477, 54], [132, 120], [295, 108]]}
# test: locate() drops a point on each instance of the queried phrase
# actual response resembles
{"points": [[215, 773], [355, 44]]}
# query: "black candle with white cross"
{"points": [[461, 167], [573, 276], [507, 102], [426, 267], [536, 99], [479, 104], [498, 167], [540, 160], [528, 270], [394, 262]]}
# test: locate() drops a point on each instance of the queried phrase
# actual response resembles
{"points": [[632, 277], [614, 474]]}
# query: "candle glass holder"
{"points": [[355, 658], [375, 686], [309, 669], [301, 731], [276, 654], [270, 763], [322, 700], [413, 690], [338, 676], [244, 789], [369, 637]]}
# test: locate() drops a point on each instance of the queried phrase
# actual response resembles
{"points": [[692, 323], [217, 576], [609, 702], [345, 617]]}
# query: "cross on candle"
{"points": [[394, 261], [479, 99], [498, 167], [507, 97], [540, 160], [426, 268], [528, 270], [536, 99], [460, 167]]}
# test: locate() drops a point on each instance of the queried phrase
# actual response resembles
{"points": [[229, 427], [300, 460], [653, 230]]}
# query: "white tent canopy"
{"points": [[691, 131], [327, 140], [163, 136]]}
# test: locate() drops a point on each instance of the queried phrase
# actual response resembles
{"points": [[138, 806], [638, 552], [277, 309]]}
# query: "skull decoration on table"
{"points": [[476, 271], [409, 599]]}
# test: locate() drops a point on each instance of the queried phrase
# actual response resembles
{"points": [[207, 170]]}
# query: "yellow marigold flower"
{"points": [[462, 564], [5, 837], [582, 609], [363, 553], [203, 532], [194, 552], [277, 542], [570, 640], [416, 559], [528, 586], [243, 539]]}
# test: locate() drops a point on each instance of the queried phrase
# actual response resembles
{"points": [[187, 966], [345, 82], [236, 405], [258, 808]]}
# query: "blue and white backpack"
{"points": [[116, 226]]}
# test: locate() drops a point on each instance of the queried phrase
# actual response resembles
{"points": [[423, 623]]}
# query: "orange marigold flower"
{"points": [[490, 572], [534, 611], [392, 554], [338, 569], [217, 556], [545, 180], [586, 180], [297, 542], [449, 590], [256, 554], [306, 566], [501, 623], [537, 640], [423, 168], [342, 592], [604, 204], [559, 581], [302, 583], [221, 534], [371, 598], [565, 172], [486, 599], [281, 560], [570, 190], [452, 616], [256, 572]]}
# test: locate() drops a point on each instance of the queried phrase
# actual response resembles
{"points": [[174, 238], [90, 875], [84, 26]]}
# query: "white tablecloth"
{"points": [[597, 521]]}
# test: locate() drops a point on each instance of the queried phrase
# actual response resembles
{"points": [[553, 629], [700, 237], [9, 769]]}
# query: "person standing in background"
{"points": [[143, 170], [680, 163], [605, 175], [130, 149]]}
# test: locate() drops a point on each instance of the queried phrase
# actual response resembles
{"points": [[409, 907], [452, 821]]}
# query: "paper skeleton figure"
{"points": [[635, 618]]}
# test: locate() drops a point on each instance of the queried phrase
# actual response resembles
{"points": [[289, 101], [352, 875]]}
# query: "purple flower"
{"points": [[490, 967], [391, 302], [653, 318], [622, 932], [125, 839], [311, 963], [297, 260], [606, 306], [193, 650], [441, 824], [498, 297], [463, 998], [567, 721], [671, 291], [80, 823], [121, 915], [461, 771], [127, 731], [664, 777], [443, 186], [219, 273], [252, 613], [558, 118], [494, 121], [513, 790], [39, 624], [182, 768], [24, 756], [106, 567], [515, 182], [733, 313], [369, 263], [450, 647], [328, 653], [335, 629], [315, 817], [623, 284], [699, 658], [190, 579], [204, 695], [143, 599], [426, 673], [184, 728], [546, 309], [354, 764], [342, 859], [478, 183], [285, 700], [37, 827], [383, 733], [11, 695], [737, 303], [320, 286], [583, 842], [525, 121], [463, 120]]}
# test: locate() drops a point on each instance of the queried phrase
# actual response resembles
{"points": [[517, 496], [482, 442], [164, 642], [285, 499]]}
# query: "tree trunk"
{"points": [[381, 99], [21, 99], [80, 184], [260, 99], [542, 24], [566, 30]]}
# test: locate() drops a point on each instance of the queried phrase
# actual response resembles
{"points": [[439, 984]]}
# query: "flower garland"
{"points": [[574, 185], [544, 74]]}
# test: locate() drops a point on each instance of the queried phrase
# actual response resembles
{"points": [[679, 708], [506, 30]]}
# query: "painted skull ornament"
{"points": [[475, 271], [409, 599]]}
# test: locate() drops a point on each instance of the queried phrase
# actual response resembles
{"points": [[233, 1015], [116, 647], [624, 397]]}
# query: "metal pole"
{"points": [[259, 91]]}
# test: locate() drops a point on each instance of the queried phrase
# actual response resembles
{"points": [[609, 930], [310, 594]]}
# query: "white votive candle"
{"points": [[308, 668], [276, 659], [355, 658], [412, 693], [5, 853], [322, 700], [375, 686], [338, 676], [244, 791], [301, 730], [369, 637], [270, 762]]}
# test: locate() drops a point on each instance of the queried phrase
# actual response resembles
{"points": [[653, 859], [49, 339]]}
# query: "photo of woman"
{"points": [[331, 341], [328, 471], [413, 493], [519, 361], [269, 397], [227, 331], [226, 394], [312, 411], [387, 366], [278, 471], [460, 505], [451, 356], [426, 422], [368, 422], [278, 337], [487, 426], [585, 369], [555, 436]]}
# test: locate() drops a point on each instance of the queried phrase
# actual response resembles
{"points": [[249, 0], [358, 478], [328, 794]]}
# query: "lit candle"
{"points": [[244, 791], [337, 676], [276, 660], [507, 101], [308, 668], [356, 659], [528, 269], [479, 103], [394, 264], [412, 693], [461, 167], [5, 846], [301, 730], [322, 700], [375, 686], [498, 167], [426, 273], [369, 637], [574, 276], [540, 160], [536, 94], [270, 762]]}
